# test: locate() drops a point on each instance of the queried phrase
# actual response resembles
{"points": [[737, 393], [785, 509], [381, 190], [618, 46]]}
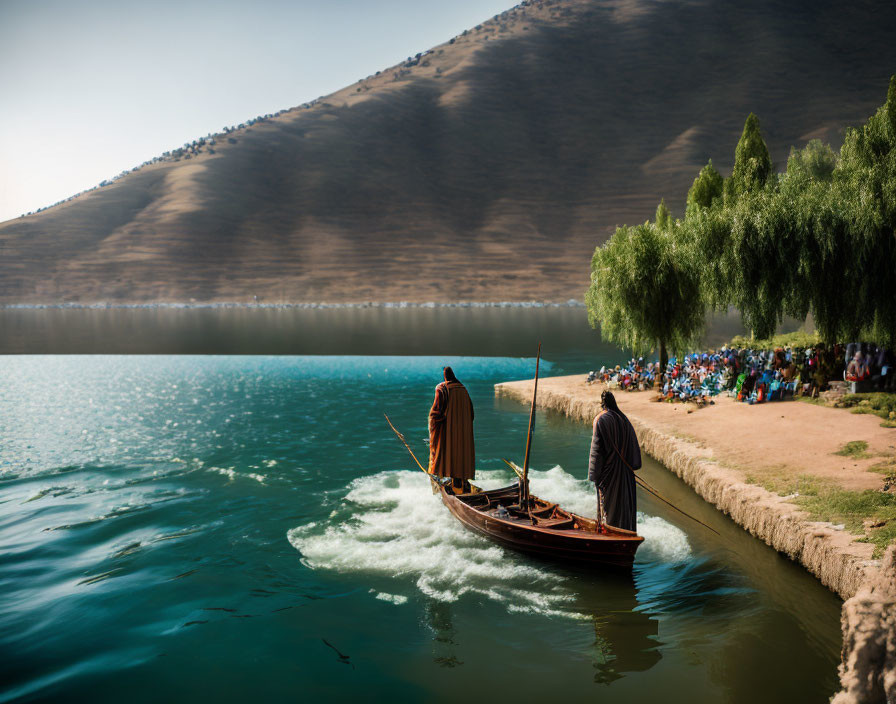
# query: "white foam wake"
{"points": [[391, 525], [663, 542], [232, 474]]}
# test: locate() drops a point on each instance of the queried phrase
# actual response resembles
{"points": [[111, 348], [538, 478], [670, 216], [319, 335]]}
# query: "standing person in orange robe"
{"points": [[451, 451]]}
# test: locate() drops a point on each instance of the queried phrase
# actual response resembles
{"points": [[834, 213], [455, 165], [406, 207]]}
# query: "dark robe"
{"points": [[451, 451], [612, 470]]}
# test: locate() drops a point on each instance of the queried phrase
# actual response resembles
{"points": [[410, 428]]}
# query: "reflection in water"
{"points": [[624, 642], [491, 331], [438, 620], [626, 637]]}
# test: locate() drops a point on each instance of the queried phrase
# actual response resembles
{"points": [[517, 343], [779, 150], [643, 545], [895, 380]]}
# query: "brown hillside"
{"points": [[486, 170]]}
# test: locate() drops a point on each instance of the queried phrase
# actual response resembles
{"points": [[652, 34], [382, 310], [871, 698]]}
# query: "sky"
{"points": [[91, 88]]}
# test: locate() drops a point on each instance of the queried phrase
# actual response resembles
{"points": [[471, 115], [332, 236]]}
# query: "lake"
{"points": [[229, 527]]}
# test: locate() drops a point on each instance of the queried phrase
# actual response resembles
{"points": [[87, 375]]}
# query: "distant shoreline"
{"points": [[273, 306]]}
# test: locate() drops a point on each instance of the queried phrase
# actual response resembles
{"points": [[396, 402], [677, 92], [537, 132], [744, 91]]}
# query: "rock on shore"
{"points": [[868, 667]]}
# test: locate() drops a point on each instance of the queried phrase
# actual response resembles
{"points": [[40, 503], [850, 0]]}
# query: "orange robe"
{"points": [[451, 452]]}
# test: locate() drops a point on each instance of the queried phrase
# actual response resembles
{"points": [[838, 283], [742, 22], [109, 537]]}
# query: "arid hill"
{"points": [[484, 170]]}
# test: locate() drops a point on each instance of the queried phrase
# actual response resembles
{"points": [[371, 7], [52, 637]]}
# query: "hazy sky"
{"points": [[88, 89]]}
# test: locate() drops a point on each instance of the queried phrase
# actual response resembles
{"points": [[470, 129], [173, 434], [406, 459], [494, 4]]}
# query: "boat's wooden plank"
{"points": [[561, 534]]}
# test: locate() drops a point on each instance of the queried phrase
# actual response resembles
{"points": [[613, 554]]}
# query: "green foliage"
{"points": [[853, 509], [707, 188], [815, 161], [877, 403], [748, 253], [752, 162], [866, 184], [645, 290], [819, 239], [759, 261], [856, 449], [663, 216], [791, 339], [871, 514]]}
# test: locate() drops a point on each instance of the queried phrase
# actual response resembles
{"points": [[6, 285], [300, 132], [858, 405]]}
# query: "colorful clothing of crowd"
{"points": [[756, 376], [634, 376]]}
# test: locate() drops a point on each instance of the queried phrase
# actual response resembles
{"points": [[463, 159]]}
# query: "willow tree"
{"points": [[663, 219], [865, 182], [841, 231], [752, 162], [645, 290], [706, 189], [742, 237]]}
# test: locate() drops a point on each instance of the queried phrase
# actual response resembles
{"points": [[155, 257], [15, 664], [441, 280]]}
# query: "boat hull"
{"points": [[580, 544]]}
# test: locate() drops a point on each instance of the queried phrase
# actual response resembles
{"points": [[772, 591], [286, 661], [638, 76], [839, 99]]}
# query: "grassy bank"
{"points": [[870, 514], [880, 404]]}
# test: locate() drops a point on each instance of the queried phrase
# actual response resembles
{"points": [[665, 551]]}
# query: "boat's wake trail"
{"points": [[390, 525]]}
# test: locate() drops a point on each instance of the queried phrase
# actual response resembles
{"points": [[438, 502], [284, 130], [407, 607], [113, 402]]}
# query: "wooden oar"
{"points": [[433, 480], [405, 443]]}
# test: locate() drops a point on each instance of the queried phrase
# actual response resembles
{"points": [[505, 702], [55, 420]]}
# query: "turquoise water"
{"points": [[248, 528]]}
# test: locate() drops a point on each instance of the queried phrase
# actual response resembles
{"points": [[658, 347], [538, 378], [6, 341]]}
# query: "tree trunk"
{"points": [[664, 360]]}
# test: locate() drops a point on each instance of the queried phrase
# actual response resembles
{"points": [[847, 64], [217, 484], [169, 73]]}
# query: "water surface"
{"points": [[247, 528]]}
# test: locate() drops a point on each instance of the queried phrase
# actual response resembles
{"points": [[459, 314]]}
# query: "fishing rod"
{"points": [[643, 484]]}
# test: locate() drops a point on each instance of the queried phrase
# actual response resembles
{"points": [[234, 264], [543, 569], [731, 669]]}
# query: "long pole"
{"points": [[644, 485], [405, 443], [650, 490], [524, 483]]}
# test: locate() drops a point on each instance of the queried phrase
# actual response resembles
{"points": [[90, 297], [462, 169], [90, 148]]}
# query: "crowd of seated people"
{"points": [[634, 376], [869, 365], [755, 376], [697, 377]]}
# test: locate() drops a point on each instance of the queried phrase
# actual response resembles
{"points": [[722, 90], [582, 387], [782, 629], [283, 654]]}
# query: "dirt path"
{"points": [[787, 437]]}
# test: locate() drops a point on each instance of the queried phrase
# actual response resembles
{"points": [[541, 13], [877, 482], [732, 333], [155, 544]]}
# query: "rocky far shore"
{"points": [[714, 451], [572, 303]]}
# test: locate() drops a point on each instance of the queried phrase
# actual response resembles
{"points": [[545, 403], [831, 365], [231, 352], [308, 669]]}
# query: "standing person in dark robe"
{"points": [[615, 456], [451, 451]]}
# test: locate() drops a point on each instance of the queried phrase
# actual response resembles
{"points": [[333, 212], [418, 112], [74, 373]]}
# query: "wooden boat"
{"points": [[547, 531], [519, 520]]}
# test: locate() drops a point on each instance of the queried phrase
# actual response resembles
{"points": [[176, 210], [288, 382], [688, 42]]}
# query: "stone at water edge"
{"points": [[868, 666]]}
